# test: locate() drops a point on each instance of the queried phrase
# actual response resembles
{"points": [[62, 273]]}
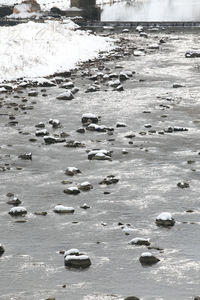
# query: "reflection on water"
{"points": [[152, 10]]}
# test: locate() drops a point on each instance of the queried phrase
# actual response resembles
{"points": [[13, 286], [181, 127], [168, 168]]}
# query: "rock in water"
{"points": [[66, 96], [74, 259], [140, 242], [60, 209], [89, 118], [2, 250], [148, 258], [18, 211], [71, 171], [165, 219]]}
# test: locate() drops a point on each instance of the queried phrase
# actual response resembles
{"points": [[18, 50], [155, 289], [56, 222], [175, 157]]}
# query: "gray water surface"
{"points": [[152, 10], [32, 268]]}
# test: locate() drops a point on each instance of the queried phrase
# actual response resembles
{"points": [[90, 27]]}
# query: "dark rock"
{"points": [[40, 125], [42, 132], [71, 171], [93, 88], [55, 123], [26, 156], [148, 259], [65, 96], [32, 93], [140, 242], [40, 213], [197, 298], [15, 201], [18, 211], [72, 191], [2, 250], [80, 130], [85, 186], [89, 118], [183, 185], [119, 88], [74, 259], [192, 54], [74, 144], [53, 140], [85, 206], [165, 220], [109, 180], [6, 11]]}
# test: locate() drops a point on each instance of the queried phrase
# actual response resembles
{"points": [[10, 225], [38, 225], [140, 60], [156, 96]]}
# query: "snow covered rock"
{"points": [[52, 140], [40, 125], [26, 156], [18, 211], [41, 132], [183, 185], [89, 118], [139, 28], [74, 144], [85, 186], [123, 76], [138, 53], [66, 96], [109, 180], [55, 123], [99, 154], [121, 124], [74, 259], [60, 209], [165, 219], [67, 85], [72, 190], [32, 93], [140, 242], [114, 83], [71, 171], [153, 46], [27, 9], [148, 258], [192, 54], [15, 201]]}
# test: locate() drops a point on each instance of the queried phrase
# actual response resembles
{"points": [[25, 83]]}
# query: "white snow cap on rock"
{"points": [[63, 209], [72, 252], [164, 216], [42, 49], [144, 254]]}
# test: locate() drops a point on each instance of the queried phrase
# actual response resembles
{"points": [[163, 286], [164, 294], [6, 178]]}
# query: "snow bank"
{"points": [[41, 49]]}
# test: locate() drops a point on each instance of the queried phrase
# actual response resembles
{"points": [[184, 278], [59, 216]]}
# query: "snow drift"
{"points": [[42, 49]]}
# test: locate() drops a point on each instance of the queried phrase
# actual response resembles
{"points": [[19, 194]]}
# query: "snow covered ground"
{"points": [[35, 49], [45, 4]]}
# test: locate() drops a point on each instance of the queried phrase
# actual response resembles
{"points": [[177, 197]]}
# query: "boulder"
{"points": [[74, 144], [60, 209], [109, 180], [55, 123], [148, 258], [89, 118], [71, 171], [66, 96], [183, 185], [85, 186], [26, 156], [15, 201], [52, 140], [18, 211], [165, 220], [2, 250], [140, 242], [74, 259], [42, 132], [5, 10], [97, 153], [192, 54], [72, 190]]}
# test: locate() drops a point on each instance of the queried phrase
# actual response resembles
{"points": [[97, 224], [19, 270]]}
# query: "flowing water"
{"points": [[32, 268], [152, 10]]}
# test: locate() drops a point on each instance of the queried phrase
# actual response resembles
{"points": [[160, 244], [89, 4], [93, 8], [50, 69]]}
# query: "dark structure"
{"points": [[89, 8]]}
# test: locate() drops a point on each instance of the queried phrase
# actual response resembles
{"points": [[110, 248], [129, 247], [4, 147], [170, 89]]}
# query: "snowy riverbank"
{"points": [[35, 49]]}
